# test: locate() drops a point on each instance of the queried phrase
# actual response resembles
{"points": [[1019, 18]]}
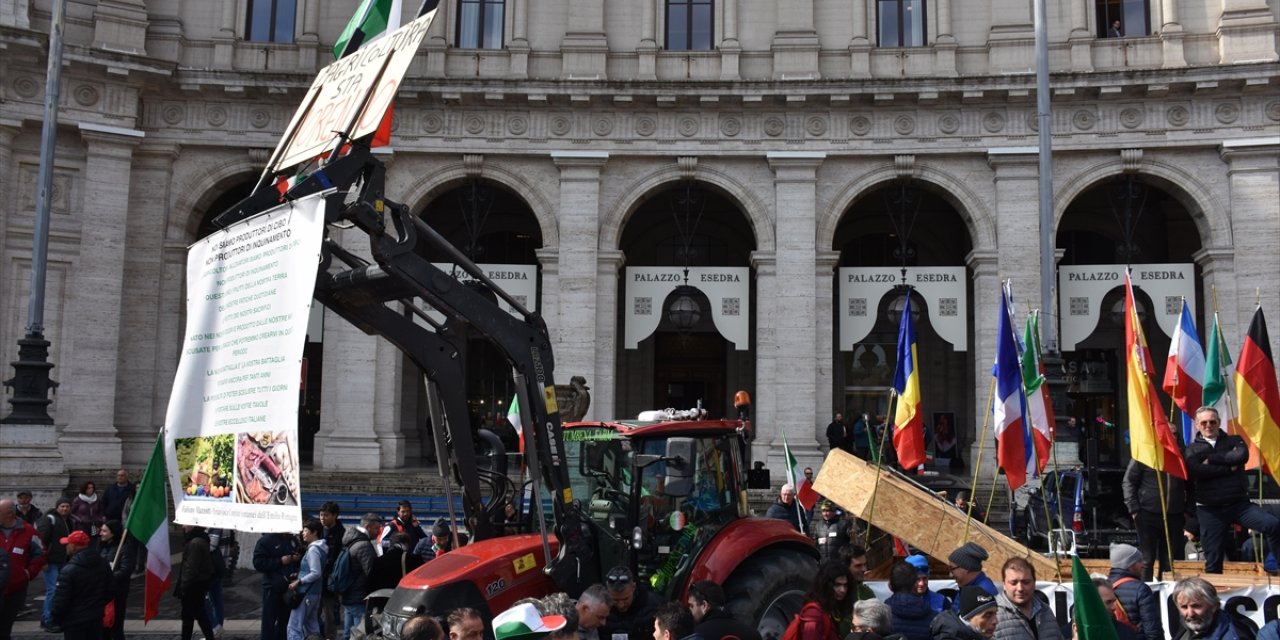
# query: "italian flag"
{"points": [[149, 522], [513, 416], [805, 494], [374, 19]]}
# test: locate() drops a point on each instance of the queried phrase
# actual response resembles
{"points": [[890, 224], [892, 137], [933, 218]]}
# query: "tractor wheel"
{"points": [[768, 588]]}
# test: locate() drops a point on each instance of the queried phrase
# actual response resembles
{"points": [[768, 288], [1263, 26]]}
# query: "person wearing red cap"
{"points": [[22, 552], [83, 589]]}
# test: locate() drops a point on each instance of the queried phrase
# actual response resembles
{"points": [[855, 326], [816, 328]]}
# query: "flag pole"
{"points": [[1155, 440], [977, 463], [875, 488]]}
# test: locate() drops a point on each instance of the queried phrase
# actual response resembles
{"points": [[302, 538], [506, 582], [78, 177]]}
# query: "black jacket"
{"points": [[126, 562], [1217, 472], [719, 624], [387, 569], [52, 528], [1142, 490], [637, 622], [114, 499], [830, 536], [1138, 602], [84, 588], [362, 555], [266, 559], [948, 626], [838, 436], [197, 565]]}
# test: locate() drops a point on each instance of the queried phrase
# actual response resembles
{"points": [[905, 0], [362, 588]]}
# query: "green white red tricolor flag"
{"points": [[805, 494], [149, 522], [513, 416]]}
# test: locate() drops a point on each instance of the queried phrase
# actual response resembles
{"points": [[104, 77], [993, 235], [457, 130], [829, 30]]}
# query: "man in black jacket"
{"points": [[838, 435], [706, 602], [831, 532], [358, 543], [1215, 463], [275, 557], [632, 608], [83, 589], [1157, 526]]}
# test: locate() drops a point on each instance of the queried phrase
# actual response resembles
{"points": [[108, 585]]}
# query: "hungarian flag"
{"points": [[149, 522], [908, 423], [1151, 441], [1013, 445], [1039, 406], [805, 494], [1259, 396], [1093, 621], [1218, 372]]}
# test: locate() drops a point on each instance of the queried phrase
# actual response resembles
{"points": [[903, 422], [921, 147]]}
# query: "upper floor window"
{"points": [[689, 25], [1123, 18], [902, 23], [480, 24], [271, 20]]}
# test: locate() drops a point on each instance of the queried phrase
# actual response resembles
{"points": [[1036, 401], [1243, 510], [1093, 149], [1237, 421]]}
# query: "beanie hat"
{"points": [[974, 600], [523, 622], [920, 562], [1124, 556], [969, 556], [63, 500]]}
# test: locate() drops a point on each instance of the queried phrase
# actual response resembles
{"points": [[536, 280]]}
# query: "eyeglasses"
{"points": [[1209, 422]]}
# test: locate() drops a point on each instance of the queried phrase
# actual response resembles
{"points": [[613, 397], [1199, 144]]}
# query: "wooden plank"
{"points": [[928, 522]]}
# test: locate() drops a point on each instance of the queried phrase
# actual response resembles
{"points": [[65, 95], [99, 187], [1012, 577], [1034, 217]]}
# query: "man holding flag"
{"points": [[149, 523]]}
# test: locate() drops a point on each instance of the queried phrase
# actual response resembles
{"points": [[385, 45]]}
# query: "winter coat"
{"points": [[360, 548], [1222, 629], [387, 569], [948, 626], [637, 619], [125, 563], [830, 536], [197, 565], [981, 581], [911, 615], [31, 515], [4, 567], [1142, 490], [87, 514], [816, 624], [84, 588], [114, 498], [23, 555], [937, 601], [1012, 625], [790, 513], [1139, 603], [311, 569], [267, 553], [332, 544], [53, 528], [718, 624], [1217, 472]]}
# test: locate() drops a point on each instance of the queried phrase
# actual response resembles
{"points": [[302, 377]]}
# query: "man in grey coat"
{"points": [[1022, 616]]}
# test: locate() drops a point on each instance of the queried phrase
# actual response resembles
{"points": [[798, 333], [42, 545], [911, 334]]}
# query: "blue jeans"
{"points": [[1215, 522], [51, 572], [305, 620], [352, 617]]}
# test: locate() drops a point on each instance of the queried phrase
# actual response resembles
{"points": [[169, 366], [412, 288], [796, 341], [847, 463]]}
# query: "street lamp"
{"points": [[684, 312]]}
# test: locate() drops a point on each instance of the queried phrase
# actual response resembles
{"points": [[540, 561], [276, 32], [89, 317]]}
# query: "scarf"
{"points": [[90, 499]]}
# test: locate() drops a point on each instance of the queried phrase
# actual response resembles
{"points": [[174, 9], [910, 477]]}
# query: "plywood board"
{"points": [[926, 521]]}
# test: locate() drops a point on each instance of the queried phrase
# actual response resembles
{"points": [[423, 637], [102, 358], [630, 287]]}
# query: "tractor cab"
{"points": [[656, 493]]}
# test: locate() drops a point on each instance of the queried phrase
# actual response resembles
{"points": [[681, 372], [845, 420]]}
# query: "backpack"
{"points": [[793, 629], [341, 577]]}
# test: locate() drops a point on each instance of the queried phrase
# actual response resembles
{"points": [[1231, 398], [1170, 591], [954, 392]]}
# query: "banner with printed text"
{"points": [[231, 431]]}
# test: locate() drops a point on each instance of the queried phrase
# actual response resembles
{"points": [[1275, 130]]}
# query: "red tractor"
{"points": [[667, 499]]}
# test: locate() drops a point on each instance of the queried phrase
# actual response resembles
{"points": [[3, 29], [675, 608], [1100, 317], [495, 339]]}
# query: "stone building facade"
{"points": [[818, 149]]}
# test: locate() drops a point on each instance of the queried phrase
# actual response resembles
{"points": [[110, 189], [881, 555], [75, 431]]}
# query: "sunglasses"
{"points": [[620, 580]]}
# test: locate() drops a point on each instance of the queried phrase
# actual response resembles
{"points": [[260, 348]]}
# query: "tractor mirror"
{"points": [[679, 459]]}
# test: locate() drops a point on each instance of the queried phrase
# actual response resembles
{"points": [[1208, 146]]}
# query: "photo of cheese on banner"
{"points": [[267, 470]]}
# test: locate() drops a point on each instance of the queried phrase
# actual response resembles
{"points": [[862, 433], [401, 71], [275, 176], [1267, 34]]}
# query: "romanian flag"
{"points": [[1013, 445], [1151, 441], [1258, 394], [149, 522], [1039, 406], [908, 424]]}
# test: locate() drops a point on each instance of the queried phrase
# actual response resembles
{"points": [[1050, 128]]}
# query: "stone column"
{"points": [[97, 300], [1171, 35], [576, 346], [824, 282], [1253, 169], [549, 258], [1081, 38], [1218, 266], [647, 50], [1017, 198], [1011, 39], [795, 43], [984, 269], [309, 40], [764, 411], [225, 39], [730, 48], [584, 48], [349, 437], [860, 45], [944, 44], [1246, 32], [793, 316], [519, 45], [610, 261], [137, 356]]}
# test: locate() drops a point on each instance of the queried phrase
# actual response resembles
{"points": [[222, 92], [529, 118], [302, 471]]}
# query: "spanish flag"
{"points": [[1259, 396], [1151, 440]]}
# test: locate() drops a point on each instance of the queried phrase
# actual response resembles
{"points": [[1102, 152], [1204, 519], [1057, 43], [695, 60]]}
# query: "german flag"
{"points": [[1258, 393]]}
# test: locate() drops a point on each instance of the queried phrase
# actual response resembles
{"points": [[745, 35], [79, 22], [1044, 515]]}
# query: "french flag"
{"points": [[1013, 443], [1184, 372]]}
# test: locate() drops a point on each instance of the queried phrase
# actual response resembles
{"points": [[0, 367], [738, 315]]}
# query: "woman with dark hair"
{"points": [[115, 547], [826, 614], [86, 510], [304, 620]]}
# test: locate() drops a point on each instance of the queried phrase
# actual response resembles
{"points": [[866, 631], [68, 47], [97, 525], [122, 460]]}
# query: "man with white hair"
{"points": [[786, 507], [1201, 611], [872, 618]]}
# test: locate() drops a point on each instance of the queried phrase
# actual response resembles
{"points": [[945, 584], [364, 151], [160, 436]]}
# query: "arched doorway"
{"points": [[1127, 220], [674, 351], [899, 236]]}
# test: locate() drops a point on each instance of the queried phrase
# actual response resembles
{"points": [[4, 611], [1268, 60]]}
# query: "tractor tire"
{"points": [[768, 589]]}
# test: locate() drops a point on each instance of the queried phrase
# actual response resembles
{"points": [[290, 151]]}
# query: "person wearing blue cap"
{"points": [[936, 601]]}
